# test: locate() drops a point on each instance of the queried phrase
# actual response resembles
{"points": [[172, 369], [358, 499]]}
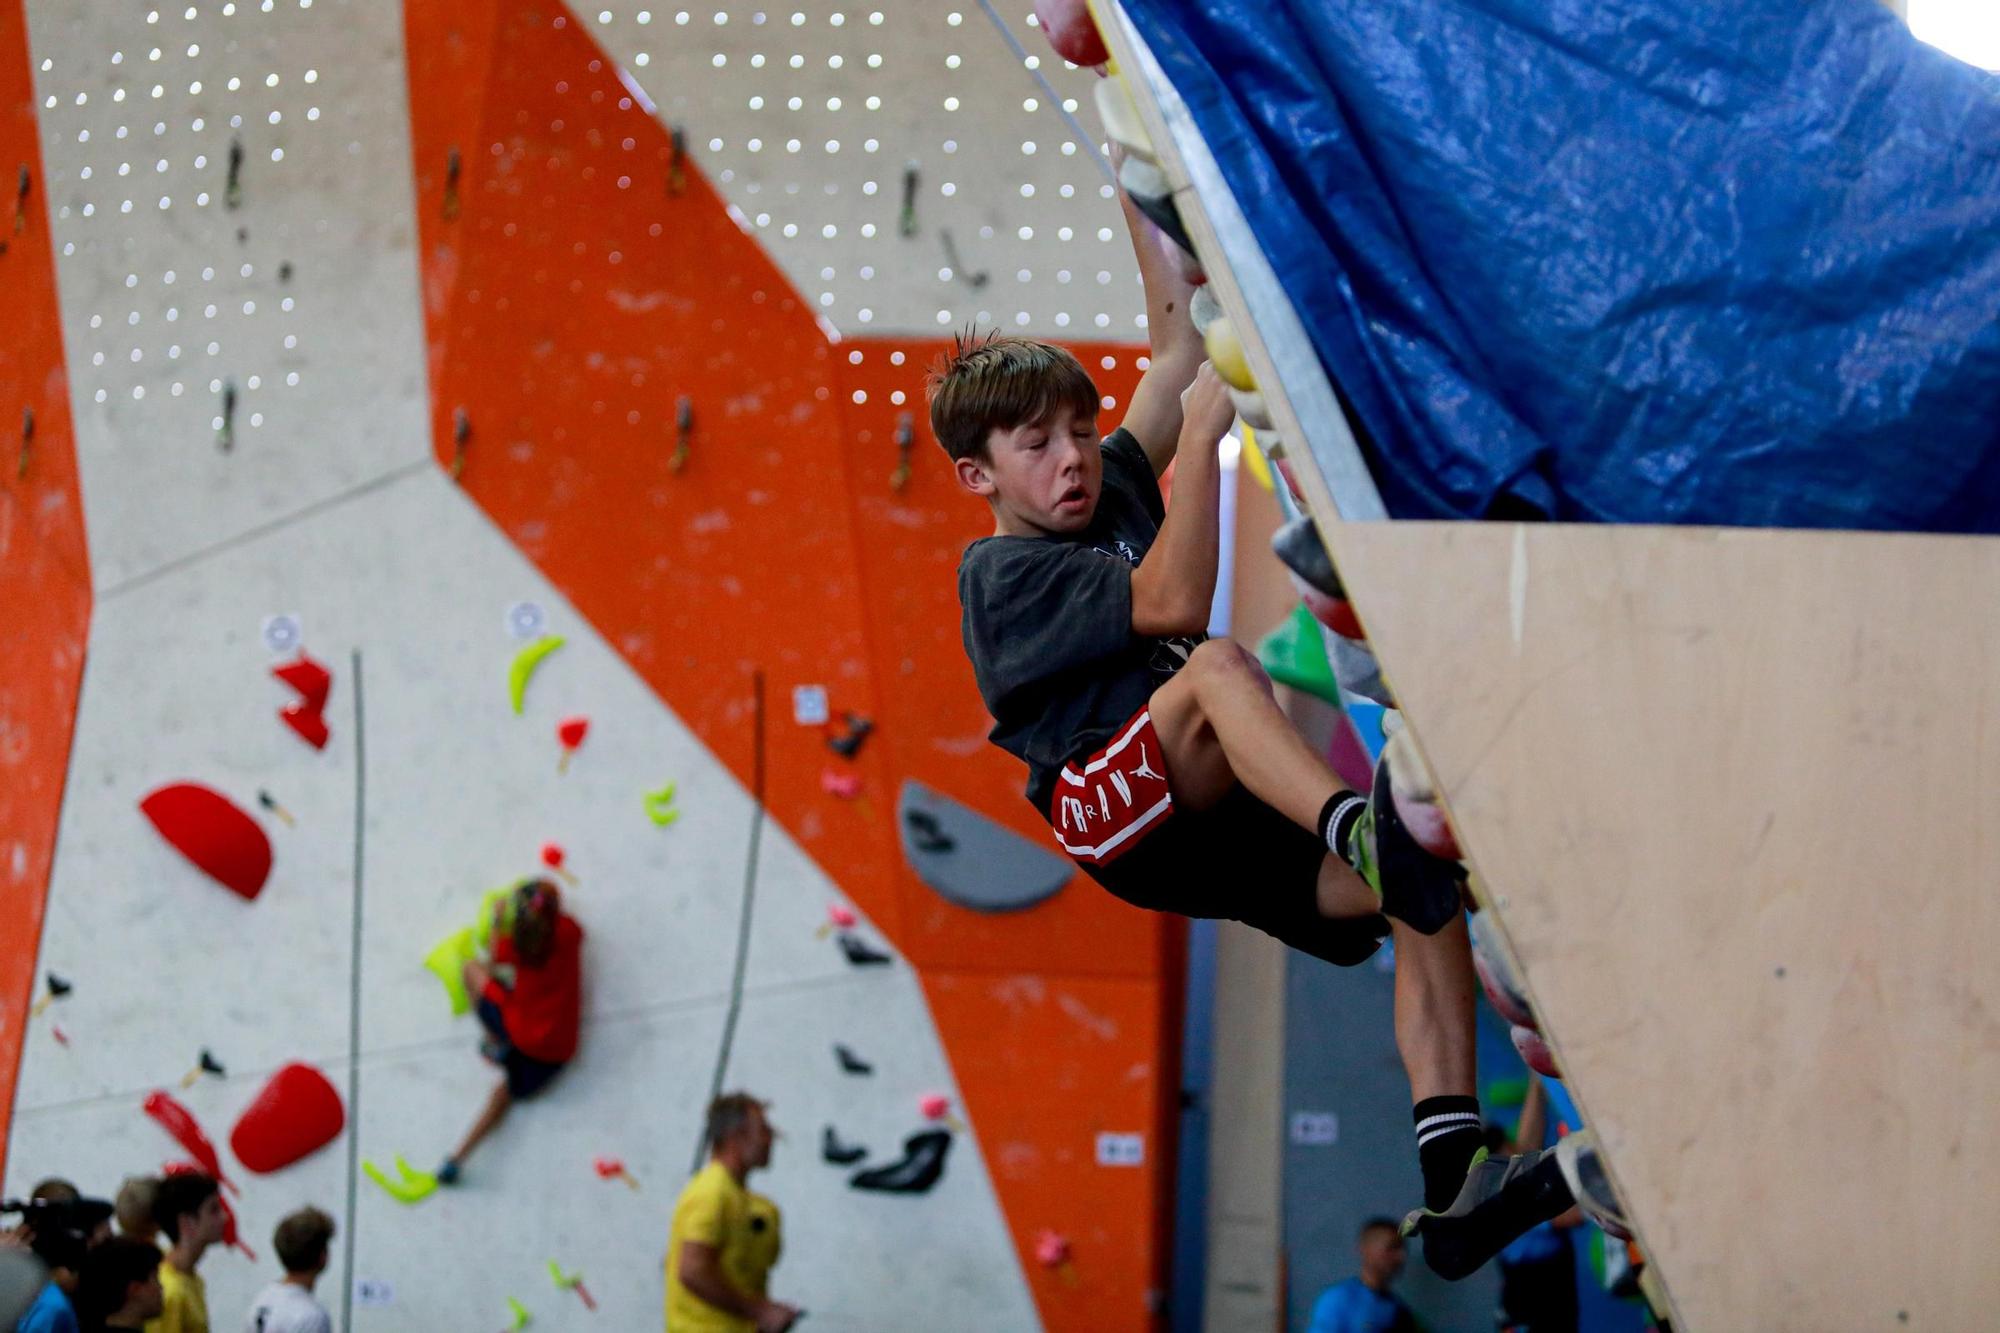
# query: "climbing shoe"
{"points": [[1420, 890], [1501, 1199]]}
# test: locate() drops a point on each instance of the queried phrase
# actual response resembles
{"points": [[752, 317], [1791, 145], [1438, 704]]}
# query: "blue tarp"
{"points": [[1676, 261]]}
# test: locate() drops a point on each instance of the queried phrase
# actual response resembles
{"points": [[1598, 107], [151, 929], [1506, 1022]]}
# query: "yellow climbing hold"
{"points": [[1225, 353], [1253, 458], [524, 664], [447, 960], [414, 1186]]}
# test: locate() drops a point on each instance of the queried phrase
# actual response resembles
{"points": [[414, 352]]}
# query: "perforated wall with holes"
{"points": [[808, 117], [172, 298]]}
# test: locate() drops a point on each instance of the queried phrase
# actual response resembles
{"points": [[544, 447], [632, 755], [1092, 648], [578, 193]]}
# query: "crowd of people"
{"points": [[134, 1261]]}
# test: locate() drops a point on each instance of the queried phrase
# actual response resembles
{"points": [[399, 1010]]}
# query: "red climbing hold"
{"points": [[313, 681], [1071, 31], [307, 722], [178, 1121], [213, 832], [296, 1115], [1535, 1052]]}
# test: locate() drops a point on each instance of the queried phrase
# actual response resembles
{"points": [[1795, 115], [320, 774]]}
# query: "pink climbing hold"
{"points": [[1535, 1051], [1071, 31], [178, 1121], [934, 1106], [296, 1115], [842, 916], [214, 832], [1051, 1249], [846, 786]]}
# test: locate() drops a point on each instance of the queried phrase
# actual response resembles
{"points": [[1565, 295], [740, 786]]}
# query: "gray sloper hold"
{"points": [[970, 860]]}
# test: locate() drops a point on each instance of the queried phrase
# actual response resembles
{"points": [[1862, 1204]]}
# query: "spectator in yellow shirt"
{"points": [[725, 1238], [189, 1210]]}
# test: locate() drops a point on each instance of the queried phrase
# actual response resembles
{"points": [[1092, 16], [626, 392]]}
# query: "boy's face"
{"points": [[1042, 478], [212, 1221]]}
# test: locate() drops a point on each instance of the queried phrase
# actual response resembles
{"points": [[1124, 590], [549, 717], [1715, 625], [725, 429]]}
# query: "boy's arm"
{"points": [[1154, 415], [1174, 586]]}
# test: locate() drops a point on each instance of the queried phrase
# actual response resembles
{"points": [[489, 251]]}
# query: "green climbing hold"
{"points": [[447, 960], [1295, 655]]}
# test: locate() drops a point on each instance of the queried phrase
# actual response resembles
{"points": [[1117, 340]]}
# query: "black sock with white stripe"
{"points": [[1338, 819], [1449, 1132]]}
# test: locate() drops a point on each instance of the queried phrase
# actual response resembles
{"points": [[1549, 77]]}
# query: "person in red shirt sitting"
{"points": [[530, 1000]]}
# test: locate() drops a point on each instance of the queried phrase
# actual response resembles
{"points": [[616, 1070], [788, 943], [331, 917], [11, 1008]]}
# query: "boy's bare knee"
{"points": [[1224, 664]]}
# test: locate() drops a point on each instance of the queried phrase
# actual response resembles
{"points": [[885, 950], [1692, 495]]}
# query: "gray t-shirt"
{"points": [[1047, 622]]}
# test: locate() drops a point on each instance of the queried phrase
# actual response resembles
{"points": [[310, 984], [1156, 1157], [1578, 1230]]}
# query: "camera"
{"points": [[60, 1231]]}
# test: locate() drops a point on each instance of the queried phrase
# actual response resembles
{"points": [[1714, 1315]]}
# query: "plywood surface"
{"points": [[1731, 794]]}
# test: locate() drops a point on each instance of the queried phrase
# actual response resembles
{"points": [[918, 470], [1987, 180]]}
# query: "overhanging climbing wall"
{"points": [[1724, 793], [261, 325]]}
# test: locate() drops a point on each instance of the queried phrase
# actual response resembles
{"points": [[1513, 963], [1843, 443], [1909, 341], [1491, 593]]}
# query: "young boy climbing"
{"points": [[529, 1000], [1159, 757]]}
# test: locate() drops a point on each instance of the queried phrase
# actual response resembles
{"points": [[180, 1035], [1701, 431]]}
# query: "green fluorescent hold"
{"points": [[524, 664]]}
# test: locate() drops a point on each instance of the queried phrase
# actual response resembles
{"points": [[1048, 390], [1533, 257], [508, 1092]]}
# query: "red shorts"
{"points": [[1104, 804]]}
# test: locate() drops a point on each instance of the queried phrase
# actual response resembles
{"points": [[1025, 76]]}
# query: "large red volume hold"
{"points": [[296, 1115], [213, 832]]}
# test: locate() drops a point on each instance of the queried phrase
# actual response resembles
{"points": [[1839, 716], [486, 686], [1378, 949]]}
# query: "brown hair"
{"points": [[997, 381], [134, 1206], [301, 1240], [537, 906], [728, 1115]]}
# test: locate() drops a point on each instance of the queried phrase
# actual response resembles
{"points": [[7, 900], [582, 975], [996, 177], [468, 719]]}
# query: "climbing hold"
{"points": [[213, 832], [1071, 31], [452, 166], [461, 439], [1120, 116], [27, 443], [570, 732], [683, 432], [410, 1186], [1254, 459], [860, 955], [519, 1314], [934, 1105], [677, 164], [553, 857], [446, 961], [178, 1121], [571, 1282], [1256, 413], [850, 1063], [270, 802], [232, 194], [496, 911], [1204, 308], [660, 806], [1583, 1170], [906, 438], [831, 1149], [846, 786], [1496, 972], [55, 1030], [23, 183], [1535, 1051], [295, 1115], [57, 988], [973, 861], [207, 1064], [610, 1168], [1294, 655], [920, 1167], [306, 715], [1051, 1249], [840, 915], [225, 433], [1225, 353], [906, 222], [848, 744], [523, 666]]}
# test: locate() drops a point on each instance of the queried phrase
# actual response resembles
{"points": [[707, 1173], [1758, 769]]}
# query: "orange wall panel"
{"points": [[44, 564], [570, 303]]}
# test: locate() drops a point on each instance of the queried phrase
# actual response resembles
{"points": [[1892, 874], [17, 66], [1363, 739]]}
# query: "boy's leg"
{"points": [[490, 1115], [1220, 724]]}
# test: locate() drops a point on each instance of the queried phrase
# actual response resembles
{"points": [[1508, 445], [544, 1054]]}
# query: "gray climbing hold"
{"points": [[972, 861]]}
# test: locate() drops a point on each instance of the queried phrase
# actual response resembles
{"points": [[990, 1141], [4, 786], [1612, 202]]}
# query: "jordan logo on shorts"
{"points": [[1105, 803]]}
